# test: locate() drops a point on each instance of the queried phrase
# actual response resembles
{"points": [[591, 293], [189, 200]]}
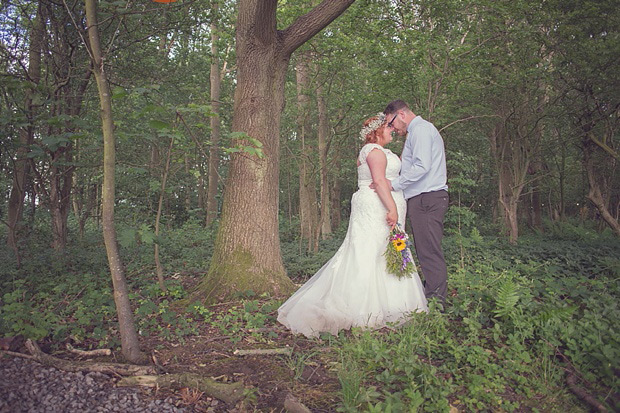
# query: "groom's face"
{"points": [[400, 127]]}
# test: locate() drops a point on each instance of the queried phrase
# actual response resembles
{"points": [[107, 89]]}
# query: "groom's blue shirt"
{"points": [[423, 166]]}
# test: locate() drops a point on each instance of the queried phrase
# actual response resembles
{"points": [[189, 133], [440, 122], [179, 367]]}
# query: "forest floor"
{"points": [[304, 368], [306, 372]]}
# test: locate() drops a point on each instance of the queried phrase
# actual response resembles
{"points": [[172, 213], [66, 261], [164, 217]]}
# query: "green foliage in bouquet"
{"points": [[399, 260]]}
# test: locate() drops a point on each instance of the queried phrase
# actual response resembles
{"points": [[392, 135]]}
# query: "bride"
{"points": [[354, 289]]}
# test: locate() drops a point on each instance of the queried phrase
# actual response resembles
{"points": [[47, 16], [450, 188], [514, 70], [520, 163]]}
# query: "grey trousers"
{"points": [[426, 213]]}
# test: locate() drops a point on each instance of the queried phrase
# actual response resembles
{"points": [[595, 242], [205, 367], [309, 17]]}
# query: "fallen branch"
{"points": [[230, 393], [263, 352], [89, 353], [15, 354], [291, 404], [67, 365], [571, 380]]}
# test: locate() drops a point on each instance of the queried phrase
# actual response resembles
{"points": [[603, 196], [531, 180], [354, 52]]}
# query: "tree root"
{"points": [[141, 375], [66, 365], [229, 393]]}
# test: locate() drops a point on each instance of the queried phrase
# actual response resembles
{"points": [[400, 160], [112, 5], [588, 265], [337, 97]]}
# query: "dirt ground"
{"points": [[307, 372]]}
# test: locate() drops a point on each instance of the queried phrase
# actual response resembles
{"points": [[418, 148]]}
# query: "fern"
{"points": [[552, 314], [506, 300]]}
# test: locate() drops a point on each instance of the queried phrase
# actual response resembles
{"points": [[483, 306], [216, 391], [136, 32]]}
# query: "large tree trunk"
{"points": [[326, 222], [129, 338], [308, 214], [511, 166], [214, 155], [26, 137], [508, 200], [247, 248]]}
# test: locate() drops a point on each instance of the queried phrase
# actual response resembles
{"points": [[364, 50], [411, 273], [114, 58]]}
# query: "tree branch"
{"points": [[306, 26], [603, 146], [466, 119]]}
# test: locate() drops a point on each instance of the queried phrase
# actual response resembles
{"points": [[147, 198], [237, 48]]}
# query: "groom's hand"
{"points": [[373, 186]]}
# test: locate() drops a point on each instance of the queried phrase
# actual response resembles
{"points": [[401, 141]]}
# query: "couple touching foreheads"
{"points": [[354, 288]]}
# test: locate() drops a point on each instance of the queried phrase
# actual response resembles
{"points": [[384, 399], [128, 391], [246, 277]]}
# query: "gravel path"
{"points": [[27, 386]]}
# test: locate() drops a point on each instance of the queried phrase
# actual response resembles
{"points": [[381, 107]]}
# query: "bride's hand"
{"points": [[392, 218]]}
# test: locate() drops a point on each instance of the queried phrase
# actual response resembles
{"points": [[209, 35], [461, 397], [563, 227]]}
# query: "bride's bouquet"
{"points": [[398, 255]]}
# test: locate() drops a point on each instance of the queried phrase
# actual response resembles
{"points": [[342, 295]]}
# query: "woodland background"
{"points": [[196, 206]]}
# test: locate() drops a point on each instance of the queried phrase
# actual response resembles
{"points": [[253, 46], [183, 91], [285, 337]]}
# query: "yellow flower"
{"points": [[399, 245]]}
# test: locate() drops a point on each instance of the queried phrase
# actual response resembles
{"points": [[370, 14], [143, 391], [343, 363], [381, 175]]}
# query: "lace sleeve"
{"points": [[366, 149]]}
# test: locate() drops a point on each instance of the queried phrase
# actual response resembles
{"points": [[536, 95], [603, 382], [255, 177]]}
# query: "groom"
{"points": [[423, 181]]}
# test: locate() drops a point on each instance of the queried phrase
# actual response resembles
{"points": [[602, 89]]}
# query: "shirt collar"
{"points": [[414, 122]]}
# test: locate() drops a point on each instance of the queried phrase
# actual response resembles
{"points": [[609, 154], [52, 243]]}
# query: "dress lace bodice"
{"points": [[364, 178]]}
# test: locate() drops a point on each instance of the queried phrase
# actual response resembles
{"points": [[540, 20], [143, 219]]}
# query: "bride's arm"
{"points": [[377, 162]]}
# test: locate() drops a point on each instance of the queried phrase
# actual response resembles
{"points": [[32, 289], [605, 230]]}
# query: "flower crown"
{"points": [[372, 126]]}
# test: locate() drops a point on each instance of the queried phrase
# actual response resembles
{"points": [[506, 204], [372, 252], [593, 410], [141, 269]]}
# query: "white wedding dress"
{"points": [[353, 289]]}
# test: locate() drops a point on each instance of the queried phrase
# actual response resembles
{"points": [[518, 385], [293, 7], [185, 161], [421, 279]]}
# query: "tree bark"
{"points": [[214, 154], [247, 248], [129, 338]]}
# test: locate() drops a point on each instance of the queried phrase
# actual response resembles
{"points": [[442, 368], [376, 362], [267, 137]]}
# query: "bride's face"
{"points": [[386, 135]]}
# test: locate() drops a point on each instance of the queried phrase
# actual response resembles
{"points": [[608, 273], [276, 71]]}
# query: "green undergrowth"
{"points": [[519, 319], [518, 322]]}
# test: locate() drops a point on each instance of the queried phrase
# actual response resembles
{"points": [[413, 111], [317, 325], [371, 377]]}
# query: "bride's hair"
{"points": [[374, 131]]}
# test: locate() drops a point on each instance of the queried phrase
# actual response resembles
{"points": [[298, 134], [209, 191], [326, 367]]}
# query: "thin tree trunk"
{"points": [[326, 224], [536, 169], [212, 204], [159, 268], [77, 200], [309, 220], [86, 210], [129, 338], [187, 192], [60, 195], [336, 194], [562, 175]]}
